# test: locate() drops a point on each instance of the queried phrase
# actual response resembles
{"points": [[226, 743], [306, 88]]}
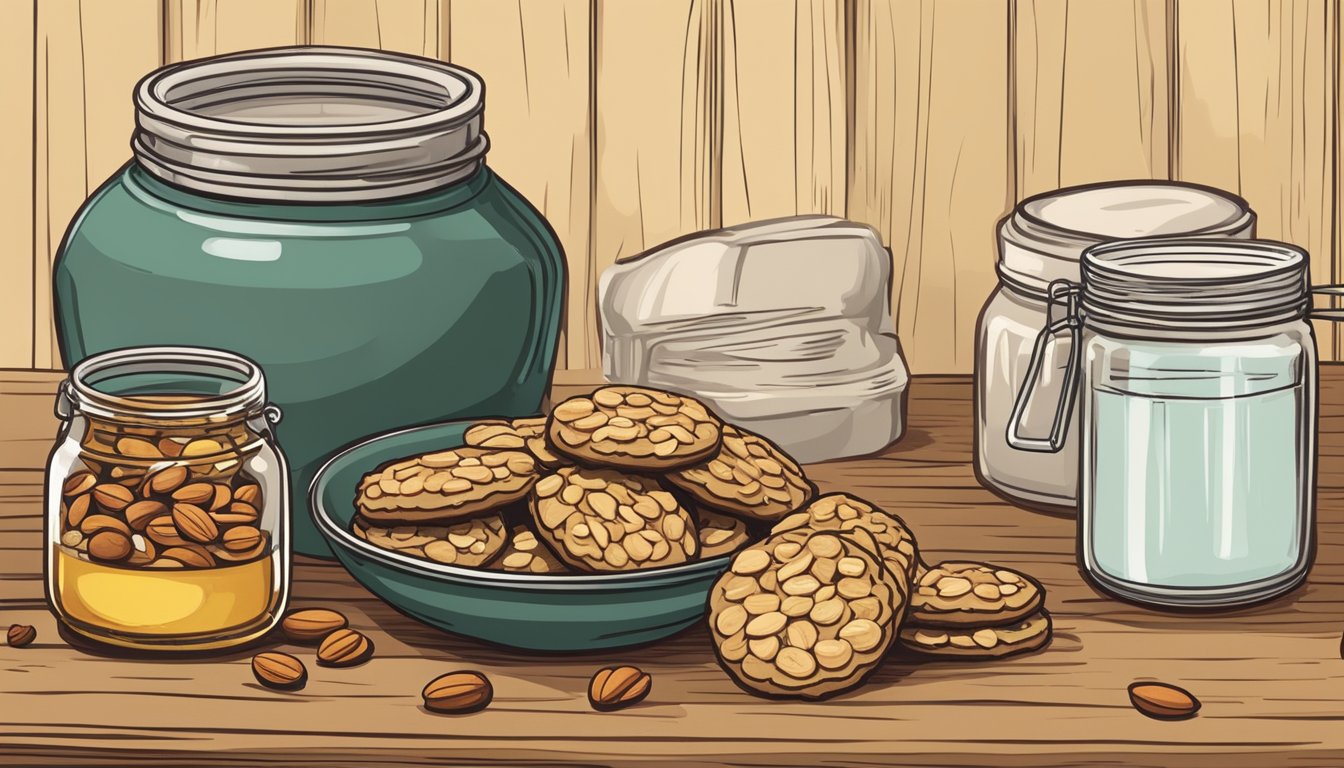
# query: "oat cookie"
{"points": [[1028, 634], [957, 594], [633, 428], [526, 554], [720, 534], [805, 614], [470, 543], [842, 512], [518, 434], [749, 476], [446, 485], [602, 520]]}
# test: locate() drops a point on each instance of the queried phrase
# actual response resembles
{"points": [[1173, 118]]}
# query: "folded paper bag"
{"points": [[782, 326]]}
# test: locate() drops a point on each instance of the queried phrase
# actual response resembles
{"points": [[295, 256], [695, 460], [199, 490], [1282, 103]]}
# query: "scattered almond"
{"points": [[1162, 701], [310, 625], [344, 648], [20, 635], [618, 687], [458, 693], [279, 670]]}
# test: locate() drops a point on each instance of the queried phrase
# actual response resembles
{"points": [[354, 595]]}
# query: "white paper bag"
{"points": [[783, 327]]}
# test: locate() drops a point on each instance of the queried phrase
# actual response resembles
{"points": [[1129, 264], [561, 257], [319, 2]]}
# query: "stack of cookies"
{"points": [[624, 479], [810, 610]]}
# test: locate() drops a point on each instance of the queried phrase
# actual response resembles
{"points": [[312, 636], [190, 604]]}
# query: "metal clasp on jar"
{"points": [[1066, 293]]}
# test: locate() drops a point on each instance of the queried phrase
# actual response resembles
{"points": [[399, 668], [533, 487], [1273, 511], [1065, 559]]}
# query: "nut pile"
{"points": [[624, 479], [141, 498], [811, 610]]}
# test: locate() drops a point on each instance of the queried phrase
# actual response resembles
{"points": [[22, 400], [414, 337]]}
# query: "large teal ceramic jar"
{"points": [[328, 214]]}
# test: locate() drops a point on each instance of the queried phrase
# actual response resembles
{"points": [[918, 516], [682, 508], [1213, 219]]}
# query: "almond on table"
{"points": [[310, 625], [458, 693], [613, 688]]}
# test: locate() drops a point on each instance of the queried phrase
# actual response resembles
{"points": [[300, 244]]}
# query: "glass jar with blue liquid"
{"points": [[1197, 380]]}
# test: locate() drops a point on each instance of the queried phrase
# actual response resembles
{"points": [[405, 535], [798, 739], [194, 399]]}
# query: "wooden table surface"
{"points": [[1271, 678]]}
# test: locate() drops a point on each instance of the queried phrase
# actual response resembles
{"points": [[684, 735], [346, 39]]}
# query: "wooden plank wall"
{"points": [[630, 122]]}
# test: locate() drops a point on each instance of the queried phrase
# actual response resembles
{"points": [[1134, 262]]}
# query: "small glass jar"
{"points": [[167, 501], [1040, 242], [1198, 419]]}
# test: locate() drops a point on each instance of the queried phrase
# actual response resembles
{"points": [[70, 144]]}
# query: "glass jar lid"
{"points": [[152, 385], [1043, 238], [310, 124], [1193, 284]]}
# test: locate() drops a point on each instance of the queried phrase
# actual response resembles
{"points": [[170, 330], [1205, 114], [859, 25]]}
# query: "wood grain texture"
{"points": [[931, 168], [536, 58], [630, 122], [17, 159], [1270, 677], [784, 108], [1256, 114], [1091, 93], [408, 26], [197, 28], [657, 145], [89, 56]]}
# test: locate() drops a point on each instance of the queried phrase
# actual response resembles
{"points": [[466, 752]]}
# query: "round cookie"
{"points": [[643, 430], [720, 534], [601, 520], [470, 543], [963, 594], [842, 512], [749, 476], [1028, 634], [526, 554], [805, 614], [519, 434], [447, 485]]}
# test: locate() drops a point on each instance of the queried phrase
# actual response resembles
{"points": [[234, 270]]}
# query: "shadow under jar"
{"points": [[167, 501]]}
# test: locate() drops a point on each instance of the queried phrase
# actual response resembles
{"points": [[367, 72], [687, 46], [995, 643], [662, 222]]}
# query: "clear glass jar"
{"points": [[167, 501], [1198, 420], [1039, 242]]}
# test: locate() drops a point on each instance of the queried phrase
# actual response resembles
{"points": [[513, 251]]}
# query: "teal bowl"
{"points": [[529, 611]]}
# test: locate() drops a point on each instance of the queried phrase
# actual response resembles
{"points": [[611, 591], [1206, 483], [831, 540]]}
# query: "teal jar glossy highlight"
{"points": [[367, 309]]}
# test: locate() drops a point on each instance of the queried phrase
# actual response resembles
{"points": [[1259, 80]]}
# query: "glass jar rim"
{"points": [[1195, 283], [322, 124], [245, 398]]}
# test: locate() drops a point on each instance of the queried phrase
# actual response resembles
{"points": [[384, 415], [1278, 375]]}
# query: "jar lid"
{"points": [[310, 124], [1193, 284], [1043, 238]]}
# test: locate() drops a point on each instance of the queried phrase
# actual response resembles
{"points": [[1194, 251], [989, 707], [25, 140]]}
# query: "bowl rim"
{"points": [[480, 577]]}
